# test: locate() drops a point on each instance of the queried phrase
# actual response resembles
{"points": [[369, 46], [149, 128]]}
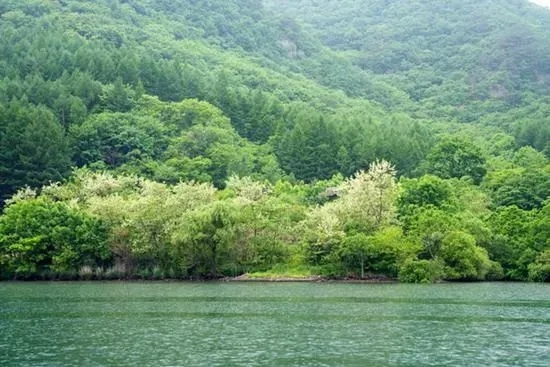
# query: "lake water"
{"points": [[274, 324]]}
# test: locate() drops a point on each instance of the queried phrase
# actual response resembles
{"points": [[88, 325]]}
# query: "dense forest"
{"points": [[201, 139]]}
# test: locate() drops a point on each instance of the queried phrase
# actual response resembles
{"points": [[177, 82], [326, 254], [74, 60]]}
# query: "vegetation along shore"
{"points": [[284, 140]]}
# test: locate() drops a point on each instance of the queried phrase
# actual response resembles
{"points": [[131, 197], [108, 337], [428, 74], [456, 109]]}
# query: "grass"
{"points": [[285, 271]]}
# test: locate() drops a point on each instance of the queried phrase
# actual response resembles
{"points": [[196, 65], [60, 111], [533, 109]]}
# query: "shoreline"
{"points": [[311, 279], [308, 279], [245, 278]]}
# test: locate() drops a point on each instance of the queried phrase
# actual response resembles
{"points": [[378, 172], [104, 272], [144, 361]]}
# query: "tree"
{"points": [[309, 150], [530, 158], [540, 228], [38, 235], [381, 253], [142, 215], [202, 243], [205, 136], [512, 240], [191, 112], [463, 259], [117, 98], [368, 198], [428, 226], [455, 157], [526, 188], [354, 253], [264, 224], [323, 233], [426, 191], [115, 139], [365, 205], [33, 148], [70, 110]]}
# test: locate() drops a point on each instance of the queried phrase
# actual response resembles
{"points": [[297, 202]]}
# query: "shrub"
{"points": [[539, 271], [38, 235], [421, 271]]}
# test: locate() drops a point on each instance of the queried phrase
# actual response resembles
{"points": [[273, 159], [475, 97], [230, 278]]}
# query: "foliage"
{"points": [[426, 191], [460, 58], [526, 188], [512, 243], [463, 259], [202, 242], [421, 271], [540, 269], [33, 148], [215, 138], [456, 158], [116, 139], [39, 235], [368, 198], [381, 253]]}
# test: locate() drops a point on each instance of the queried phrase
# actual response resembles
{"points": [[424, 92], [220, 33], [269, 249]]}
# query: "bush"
{"points": [[421, 271], [539, 271], [464, 260], [39, 235], [495, 272]]}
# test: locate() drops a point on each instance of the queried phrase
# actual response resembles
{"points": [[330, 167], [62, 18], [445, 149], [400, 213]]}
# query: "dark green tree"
{"points": [[117, 98], [456, 157], [33, 148], [425, 191], [308, 151], [526, 188], [114, 139], [512, 240]]}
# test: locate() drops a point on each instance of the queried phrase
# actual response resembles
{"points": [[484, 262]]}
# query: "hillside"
{"points": [[455, 54], [68, 56], [202, 138]]}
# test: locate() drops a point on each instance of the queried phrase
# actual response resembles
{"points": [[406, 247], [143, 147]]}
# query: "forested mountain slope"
{"points": [[194, 138], [80, 58], [485, 55]]}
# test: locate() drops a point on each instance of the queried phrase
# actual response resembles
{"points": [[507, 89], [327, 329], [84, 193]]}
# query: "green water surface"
{"points": [[274, 324]]}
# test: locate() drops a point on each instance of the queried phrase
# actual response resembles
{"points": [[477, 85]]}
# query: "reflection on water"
{"points": [[274, 324]]}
